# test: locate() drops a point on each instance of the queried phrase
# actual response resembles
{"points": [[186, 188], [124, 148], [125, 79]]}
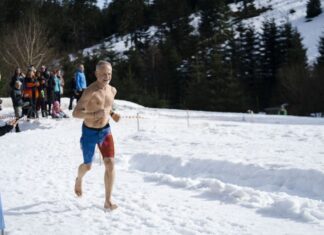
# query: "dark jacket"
{"points": [[50, 89], [14, 79], [5, 129], [17, 97]]}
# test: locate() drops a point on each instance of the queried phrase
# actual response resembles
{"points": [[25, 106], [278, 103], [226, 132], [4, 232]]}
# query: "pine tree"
{"points": [[295, 85], [248, 7], [313, 8], [269, 62], [133, 21], [214, 20], [320, 58], [198, 89], [246, 59], [318, 78]]}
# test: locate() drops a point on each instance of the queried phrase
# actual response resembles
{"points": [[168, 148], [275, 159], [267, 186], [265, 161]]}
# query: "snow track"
{"points": [[214, 177]]}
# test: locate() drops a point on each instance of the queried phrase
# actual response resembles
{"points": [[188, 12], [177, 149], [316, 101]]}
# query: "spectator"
{"points": [[17, 102], [42, 93], [73, 93], [57, 87], [30, 92], [60, 76], [80, 80], [18, 76], [57, 112], [50, 91]]}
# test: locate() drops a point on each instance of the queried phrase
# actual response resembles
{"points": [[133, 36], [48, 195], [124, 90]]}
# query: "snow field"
{"points": [[221, 175]]}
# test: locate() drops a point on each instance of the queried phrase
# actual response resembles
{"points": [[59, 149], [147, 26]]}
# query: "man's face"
{"points": [[104, 74], [81, 67]]}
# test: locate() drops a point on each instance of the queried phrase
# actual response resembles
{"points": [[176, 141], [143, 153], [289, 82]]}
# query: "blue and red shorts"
{"points": [[96, 136]]}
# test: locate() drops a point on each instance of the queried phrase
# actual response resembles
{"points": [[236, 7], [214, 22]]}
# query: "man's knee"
{"points": [[87, 167], [109, 164]]}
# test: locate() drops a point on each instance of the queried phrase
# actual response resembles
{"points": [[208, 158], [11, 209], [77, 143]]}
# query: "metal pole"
{"points": [[138, 124]]}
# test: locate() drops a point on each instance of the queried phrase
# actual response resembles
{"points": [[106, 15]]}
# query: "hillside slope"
{"points": [[279, 10]]}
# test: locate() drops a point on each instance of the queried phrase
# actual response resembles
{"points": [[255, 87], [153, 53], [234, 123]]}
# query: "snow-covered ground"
{"points": [[219, 173]]}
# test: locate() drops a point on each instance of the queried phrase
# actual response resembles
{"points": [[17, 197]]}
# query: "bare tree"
{"points": [[28, 44]]}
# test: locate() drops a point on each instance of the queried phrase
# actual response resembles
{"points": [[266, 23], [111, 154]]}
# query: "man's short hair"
{"points": [[103, 63]]}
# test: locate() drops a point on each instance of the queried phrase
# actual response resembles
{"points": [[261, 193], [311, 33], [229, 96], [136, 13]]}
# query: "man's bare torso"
{"points": [[94, 99]]}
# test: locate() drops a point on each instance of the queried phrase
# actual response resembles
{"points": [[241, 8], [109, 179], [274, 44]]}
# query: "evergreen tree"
{"points": [[83, 26], [248, 7], [269, 62], [318, 78], [214, 19], [295, 85], [246, 63], [198, 90], [133, 21], [166, 13], [313, 8], [320, 58]]}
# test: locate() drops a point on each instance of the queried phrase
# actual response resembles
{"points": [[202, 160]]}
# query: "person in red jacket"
{"points": [[31, 92]]}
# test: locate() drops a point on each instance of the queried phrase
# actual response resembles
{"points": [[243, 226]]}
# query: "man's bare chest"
{"points": [[100, 99]]}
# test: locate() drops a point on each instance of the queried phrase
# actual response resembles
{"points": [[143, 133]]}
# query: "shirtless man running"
{"points": [[95, 107]]}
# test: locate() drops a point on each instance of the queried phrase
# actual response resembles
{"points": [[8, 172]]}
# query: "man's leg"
{"points": [[109, 182], [83, 169]]}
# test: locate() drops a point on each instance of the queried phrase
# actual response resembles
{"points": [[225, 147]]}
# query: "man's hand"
{"points": [[13, 122], [100, 114], [115, 117]]}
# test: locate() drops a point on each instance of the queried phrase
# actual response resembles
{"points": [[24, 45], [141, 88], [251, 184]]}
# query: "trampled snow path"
{"points": [[225, 174]]}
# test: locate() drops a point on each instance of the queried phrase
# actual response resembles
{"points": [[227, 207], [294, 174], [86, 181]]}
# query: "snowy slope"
{"points": [[280, 11], [310, 31], [218, 174]]}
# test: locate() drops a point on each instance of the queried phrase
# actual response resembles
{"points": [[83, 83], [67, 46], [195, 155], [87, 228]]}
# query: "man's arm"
{"points": [[114, 116], [79, 111]]}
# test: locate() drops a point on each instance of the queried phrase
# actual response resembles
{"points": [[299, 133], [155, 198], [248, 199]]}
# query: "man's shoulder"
{"points": [[113, 89], [92, 87]]}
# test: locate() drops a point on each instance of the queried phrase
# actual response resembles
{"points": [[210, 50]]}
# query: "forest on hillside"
{"points": [[221, 65]]}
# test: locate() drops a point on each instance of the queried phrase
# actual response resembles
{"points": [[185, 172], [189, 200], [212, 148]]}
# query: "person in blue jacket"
{"points": [[80, 81], [57, 87]]}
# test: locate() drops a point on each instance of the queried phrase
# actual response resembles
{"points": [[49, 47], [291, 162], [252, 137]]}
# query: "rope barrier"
{"points": [[133, 117]]}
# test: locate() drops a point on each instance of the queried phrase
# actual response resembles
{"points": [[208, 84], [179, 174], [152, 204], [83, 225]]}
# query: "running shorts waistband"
{"points": [[97, 129]]}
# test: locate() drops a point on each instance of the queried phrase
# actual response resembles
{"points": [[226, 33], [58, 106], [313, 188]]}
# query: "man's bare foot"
{"points": [[109, 206], [78, 187]]}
